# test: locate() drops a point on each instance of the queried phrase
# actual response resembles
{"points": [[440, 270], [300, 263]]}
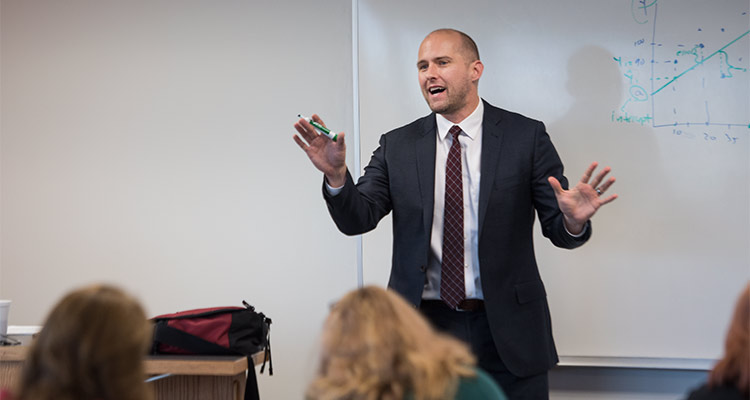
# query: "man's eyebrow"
{"points": [[440, 58]]}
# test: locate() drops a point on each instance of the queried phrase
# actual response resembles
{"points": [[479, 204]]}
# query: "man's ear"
{"points": [[476, 70]]}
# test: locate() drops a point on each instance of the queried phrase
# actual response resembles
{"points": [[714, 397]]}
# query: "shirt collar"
{"points": [[471, 125]]}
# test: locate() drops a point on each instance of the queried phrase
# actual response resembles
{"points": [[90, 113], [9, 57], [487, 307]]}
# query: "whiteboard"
{"points": [[666, 261]]}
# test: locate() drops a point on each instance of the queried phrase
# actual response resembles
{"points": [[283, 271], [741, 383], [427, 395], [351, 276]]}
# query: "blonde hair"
{"points": [[376, 346], [734, 368], [91, 347]]}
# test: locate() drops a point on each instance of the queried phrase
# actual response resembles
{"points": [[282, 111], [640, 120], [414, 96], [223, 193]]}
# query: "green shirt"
{"points": [[479, 387]]}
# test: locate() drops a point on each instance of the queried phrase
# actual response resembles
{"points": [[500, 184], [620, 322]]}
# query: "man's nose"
{"points": [[429, 72]]}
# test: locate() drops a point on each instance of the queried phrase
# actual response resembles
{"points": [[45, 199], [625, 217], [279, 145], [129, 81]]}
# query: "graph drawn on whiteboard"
{"points": [[688, 69]]}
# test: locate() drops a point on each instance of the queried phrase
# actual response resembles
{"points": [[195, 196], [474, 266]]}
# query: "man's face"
{"points": [[447, 78]]}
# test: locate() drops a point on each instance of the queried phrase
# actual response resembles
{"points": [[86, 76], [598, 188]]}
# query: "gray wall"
{"points": [[584, 383]]}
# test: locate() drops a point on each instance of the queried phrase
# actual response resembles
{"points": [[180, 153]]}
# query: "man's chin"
{"points": [[438, 108]]}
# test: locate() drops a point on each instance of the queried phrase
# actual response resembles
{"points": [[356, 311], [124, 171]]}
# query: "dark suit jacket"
{"points": [[517, 157]]}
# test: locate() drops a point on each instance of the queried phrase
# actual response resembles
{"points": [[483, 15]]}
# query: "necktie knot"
{"points": [[455, 131]]}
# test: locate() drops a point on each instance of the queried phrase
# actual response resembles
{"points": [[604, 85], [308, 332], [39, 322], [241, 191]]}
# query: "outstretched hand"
{"points": [[580, 203], [327, 156]]}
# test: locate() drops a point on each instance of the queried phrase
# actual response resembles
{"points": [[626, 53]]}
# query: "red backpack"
{"points": [[217, 331]]}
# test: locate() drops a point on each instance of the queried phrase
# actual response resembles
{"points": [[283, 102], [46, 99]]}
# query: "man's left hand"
{"points": [[579, 203]]}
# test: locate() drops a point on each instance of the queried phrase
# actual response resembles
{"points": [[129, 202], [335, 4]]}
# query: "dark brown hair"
{"points": [[91, 347], [734, 368]]}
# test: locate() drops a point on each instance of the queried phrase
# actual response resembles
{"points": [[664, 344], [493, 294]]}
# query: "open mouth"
{"points": [[436, 89]]}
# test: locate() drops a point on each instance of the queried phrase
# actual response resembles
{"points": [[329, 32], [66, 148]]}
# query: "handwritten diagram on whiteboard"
{"points": [[688, 69]]}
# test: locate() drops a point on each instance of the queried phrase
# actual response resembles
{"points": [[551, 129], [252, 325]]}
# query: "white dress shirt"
{"points": [[471, 152]]}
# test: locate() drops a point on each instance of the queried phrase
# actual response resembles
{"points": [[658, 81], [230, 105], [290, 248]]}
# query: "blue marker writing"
{"points": [[322, 129]]}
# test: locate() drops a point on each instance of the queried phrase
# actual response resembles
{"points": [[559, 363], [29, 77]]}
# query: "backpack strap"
{"points": [[251, 385], [164, 333], [267, 345]]}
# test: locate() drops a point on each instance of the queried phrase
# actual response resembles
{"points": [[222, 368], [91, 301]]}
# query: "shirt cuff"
{"points": [[583, 231], [333, 191]]}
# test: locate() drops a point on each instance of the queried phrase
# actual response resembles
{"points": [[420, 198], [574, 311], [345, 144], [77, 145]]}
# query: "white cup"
{"points": [[4, 308]]}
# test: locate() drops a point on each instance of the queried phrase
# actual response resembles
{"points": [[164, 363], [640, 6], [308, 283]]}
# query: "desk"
{"points": [[192, 377]]}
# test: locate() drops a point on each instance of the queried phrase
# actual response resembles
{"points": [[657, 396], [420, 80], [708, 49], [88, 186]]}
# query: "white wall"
{"points": [[148, 144]]}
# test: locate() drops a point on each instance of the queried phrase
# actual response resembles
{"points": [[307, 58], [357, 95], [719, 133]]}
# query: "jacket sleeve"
{"points": [[547, 163], [359, 207]]}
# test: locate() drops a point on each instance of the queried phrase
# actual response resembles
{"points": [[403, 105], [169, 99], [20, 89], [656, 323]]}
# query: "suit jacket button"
{"points": [[422, 268]]}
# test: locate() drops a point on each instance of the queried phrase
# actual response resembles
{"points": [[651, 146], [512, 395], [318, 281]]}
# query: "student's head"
{"points": [[91, 347], [377, 346], [734, 368], [449, 70]]}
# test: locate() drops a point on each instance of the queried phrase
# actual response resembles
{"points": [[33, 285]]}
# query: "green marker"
{"points": [[322, 129]]}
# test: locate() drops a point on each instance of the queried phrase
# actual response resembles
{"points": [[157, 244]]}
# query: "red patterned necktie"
{"points": [[452, 289]]}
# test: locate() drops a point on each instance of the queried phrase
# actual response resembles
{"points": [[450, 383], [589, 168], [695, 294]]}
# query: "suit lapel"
{"points": [[492, 137], [425, 147], [425, 151]]}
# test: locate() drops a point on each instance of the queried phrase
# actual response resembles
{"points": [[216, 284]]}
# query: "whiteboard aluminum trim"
{"points": [[687, 364], [355, 129]]}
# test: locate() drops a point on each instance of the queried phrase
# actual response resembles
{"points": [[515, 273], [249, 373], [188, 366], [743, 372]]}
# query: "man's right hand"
{"points": [[327, 156]]}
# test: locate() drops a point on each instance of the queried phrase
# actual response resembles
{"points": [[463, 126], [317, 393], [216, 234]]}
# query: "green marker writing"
{"points": [[322, 129]]}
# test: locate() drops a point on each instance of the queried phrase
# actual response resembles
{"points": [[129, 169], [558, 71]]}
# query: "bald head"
{"points": [[449, 69], [468, 47]]}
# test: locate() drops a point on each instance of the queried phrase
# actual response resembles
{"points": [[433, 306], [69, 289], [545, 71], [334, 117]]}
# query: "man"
{"points": [[463, 184]]}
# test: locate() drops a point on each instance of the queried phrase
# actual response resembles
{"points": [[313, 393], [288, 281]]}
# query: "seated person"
{"points": [[730, 377], [91, 347], [377, 346]]}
